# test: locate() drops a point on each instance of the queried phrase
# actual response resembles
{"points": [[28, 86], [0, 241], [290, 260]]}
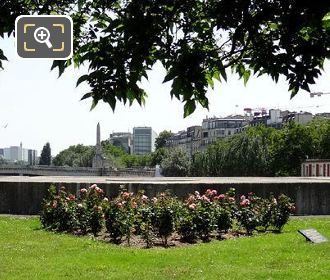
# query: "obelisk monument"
{"points": [[98, 159]]}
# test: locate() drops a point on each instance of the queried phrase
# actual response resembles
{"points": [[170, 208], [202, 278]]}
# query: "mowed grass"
{"points": [[28, 252]]}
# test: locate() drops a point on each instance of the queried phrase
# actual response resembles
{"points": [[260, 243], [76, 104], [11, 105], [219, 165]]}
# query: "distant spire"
{"points": [[98, 134]]}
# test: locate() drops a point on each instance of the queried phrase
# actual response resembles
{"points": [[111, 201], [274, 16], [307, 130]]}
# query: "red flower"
{"points": [[72, 197]]}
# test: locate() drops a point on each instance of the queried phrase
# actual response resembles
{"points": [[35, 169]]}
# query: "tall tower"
{"points": [[98, 161], [98, 139]]}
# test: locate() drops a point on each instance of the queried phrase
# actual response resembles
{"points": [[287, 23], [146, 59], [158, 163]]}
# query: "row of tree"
{"points": [[263, 151], [82, 156]]}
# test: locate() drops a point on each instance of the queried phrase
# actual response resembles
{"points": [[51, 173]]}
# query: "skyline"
{"points": [[40, 108]]}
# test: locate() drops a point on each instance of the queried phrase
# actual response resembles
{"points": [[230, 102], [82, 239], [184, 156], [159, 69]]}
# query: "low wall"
{"points": [[23, 195], [41, 170]]}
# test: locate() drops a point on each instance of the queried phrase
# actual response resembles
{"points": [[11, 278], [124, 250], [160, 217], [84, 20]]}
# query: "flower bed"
{"points": [[152, 220]]}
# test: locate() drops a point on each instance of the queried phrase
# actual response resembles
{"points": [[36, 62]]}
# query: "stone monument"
{"points": [[98, 160]]}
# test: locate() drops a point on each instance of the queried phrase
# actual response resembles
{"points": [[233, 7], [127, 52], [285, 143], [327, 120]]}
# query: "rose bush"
{"points": [[199, 216]]}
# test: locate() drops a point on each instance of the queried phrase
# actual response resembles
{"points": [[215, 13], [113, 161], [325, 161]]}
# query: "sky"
{"points": [[39, 107]]}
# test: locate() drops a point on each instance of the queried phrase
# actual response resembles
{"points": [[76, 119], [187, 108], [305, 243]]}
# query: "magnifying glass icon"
{"points": [[41, 35]]}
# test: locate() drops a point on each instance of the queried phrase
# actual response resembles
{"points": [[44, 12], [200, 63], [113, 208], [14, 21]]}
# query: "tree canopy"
{"points": [[46, 155], [160, 141], [196, 41]]}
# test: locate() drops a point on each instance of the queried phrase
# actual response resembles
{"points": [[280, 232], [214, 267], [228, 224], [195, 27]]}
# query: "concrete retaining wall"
{"points": [[25, 196]]}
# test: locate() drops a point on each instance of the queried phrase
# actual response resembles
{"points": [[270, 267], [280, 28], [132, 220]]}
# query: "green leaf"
{"points": [[246, 76], [222, 71], [82, 79], [87, 95], [209, 80], [94, 103], [326, 21], [189, 108], [170, 75], [60, 64]]}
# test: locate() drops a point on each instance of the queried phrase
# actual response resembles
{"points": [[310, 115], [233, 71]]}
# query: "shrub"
{"points": [[90, 213], [186, 226], [120, 217], [247, 214], [204, 217], [164, 219], [281, 212], [175, 163], [59, 211]]}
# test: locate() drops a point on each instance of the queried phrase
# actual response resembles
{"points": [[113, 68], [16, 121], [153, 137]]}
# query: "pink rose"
{"points": [[192, 206], [83, 190], [98, 190], [243, 197], [221, 196], [205, 198], [93, 186], [245, 202], [125, 195], [231, 199]]}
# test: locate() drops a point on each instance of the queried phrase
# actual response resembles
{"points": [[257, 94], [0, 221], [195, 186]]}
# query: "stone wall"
{"points": [[311, 198]]}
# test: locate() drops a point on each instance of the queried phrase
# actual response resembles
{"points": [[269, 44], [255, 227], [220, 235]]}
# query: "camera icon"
{"points": [[44, 36]]}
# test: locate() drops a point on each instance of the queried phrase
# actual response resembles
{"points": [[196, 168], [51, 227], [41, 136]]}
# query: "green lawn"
{"points": [[27, 252]]}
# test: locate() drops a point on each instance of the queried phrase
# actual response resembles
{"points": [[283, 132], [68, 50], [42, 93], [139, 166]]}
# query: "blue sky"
{"points": [[40, 107]]}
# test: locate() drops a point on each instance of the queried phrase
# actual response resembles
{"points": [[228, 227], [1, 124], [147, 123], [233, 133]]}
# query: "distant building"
{"points": [[301, 117], [217, 128], [19, 154], [316, 167], [122, 139], [272, 119], [32, 157], [143, 140], [323, 115], [189, 140]]}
